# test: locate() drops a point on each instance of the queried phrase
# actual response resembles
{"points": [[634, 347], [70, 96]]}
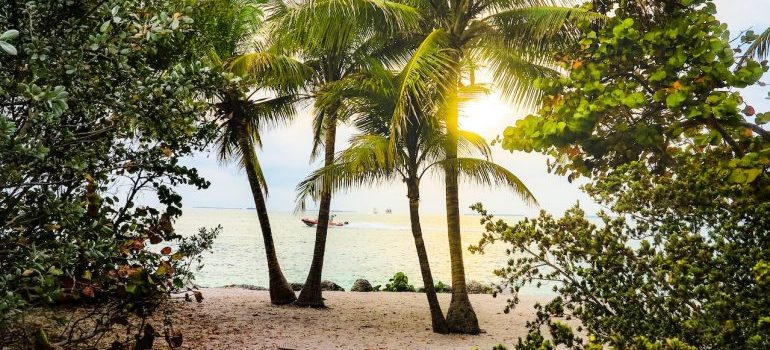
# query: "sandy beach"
{"points": [[234, 318]]}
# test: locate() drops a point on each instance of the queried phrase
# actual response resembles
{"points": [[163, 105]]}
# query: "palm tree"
{"points": [[241, 117], [419, 149], [338, 39], [515, 40]]}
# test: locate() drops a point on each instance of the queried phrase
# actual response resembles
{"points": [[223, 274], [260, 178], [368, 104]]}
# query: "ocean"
{"points": [[371, 246]]}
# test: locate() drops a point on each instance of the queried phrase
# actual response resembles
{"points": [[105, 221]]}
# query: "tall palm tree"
{"points": [[338, 39], [240, 116], [419, 149], [515, 40]]}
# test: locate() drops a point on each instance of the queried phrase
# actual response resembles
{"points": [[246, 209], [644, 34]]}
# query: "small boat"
{"points": [[311, 222]]}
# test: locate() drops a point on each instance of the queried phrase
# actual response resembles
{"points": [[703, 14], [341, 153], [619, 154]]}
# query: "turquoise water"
{"points": [[372, 246]]}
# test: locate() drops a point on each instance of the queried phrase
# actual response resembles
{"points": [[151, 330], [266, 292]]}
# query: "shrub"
{"points": [[683, 259], [97, 108], [399, 283], [650, 110]]}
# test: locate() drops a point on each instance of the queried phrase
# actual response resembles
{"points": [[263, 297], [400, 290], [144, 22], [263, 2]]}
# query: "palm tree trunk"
{"points": [[280, 291], [437, 316], [460, 316], [311, 291]]}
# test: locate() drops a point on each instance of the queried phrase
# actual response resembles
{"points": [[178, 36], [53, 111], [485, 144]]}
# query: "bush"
{"points": [[650, 111], [684, 259], [97, 109], [399, 283], [441, 287]]}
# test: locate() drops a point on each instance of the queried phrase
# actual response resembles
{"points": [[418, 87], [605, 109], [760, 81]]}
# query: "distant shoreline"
{"points": [[356, 211], [286, 212]]}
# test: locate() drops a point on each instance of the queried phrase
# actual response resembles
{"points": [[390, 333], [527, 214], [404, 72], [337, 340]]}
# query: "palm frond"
{"points": [[484, 172], [319, 118], [759, 48], [332, 25], [225, 25], [334, 178], [433, 145], [334, 94], [470, 143], [494, 6], [366, 162], [514, 75], [271, 112], [277, 72], [237, 143], [537, 31], [368, 152], [540, 23], [226, 145], [257, 168], [430, 69], [470, 93], [386, 50], [240, 125]]}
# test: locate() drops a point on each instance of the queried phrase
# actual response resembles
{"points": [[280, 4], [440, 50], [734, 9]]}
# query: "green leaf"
{"points": [[678, 59], [675, 100], [737, 176], [634, 100], [8, 48], [762, 118], [751, 174], [9, 35], [658, 76]]}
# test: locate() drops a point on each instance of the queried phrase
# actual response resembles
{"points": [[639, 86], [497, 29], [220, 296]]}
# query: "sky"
{"points": [[285, 157]]}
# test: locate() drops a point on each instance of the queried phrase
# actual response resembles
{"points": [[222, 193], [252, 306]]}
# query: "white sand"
{"points": [[231, 318]]}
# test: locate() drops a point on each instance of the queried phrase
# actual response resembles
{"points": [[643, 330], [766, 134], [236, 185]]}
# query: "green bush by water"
{"points": [[399, 283]]}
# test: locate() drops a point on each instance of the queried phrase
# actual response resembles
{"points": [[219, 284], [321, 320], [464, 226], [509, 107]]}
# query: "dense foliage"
{"points": [[649, 112], [644, 86], [683, 259], [99, 100]]}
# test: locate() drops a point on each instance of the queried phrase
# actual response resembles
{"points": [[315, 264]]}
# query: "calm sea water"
{"points": [[372, 246]]}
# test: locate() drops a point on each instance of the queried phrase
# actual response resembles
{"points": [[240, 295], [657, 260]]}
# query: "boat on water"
{"points": [[312, 222]]}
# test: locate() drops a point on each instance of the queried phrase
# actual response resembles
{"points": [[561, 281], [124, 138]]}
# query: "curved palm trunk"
{"points": [[280, 291], [311, 291], [460, 316], [437, 316]]}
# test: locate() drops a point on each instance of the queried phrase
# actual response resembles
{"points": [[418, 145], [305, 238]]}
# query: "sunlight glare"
{"points": [[487, 116]]}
